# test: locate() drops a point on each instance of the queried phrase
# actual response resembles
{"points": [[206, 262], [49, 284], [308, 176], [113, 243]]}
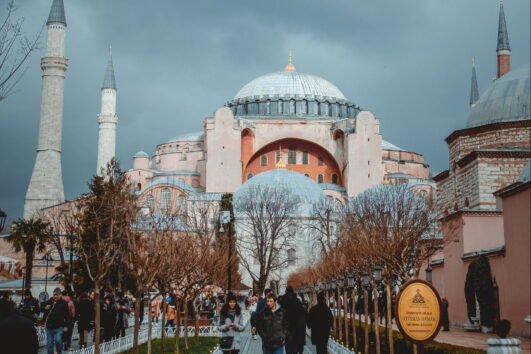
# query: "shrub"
{"points": [[503, 327]]}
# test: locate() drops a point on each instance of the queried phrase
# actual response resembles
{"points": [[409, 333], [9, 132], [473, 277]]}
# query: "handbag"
{"points": [[226, 342]]}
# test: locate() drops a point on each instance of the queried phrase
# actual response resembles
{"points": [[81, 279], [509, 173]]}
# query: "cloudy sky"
{"points": [[177, 61]]}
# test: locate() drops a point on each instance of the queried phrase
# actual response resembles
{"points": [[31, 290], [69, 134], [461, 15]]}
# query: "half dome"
{"points": [[506, 100], [291, 84]]}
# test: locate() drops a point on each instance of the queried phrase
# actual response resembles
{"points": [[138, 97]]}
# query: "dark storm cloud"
{"points": [[176, 62]]}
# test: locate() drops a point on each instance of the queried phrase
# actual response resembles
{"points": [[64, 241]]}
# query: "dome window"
{"points": [[280, 107], [334, 178], [165, 199], [292, 256], [320, 179], [292, 107], [305, 157], [320, 161], [263, 160]]}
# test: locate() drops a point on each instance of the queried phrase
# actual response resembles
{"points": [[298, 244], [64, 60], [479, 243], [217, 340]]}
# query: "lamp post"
{"points": [[3, 217], [224, 218], [339, 284], [377, 272], [429, 271], [47, 258], [351, 283], [365, 281]]}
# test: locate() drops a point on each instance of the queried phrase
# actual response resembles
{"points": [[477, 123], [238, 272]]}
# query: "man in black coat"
{"points": [[57, 319], [272, 327], [17, 333], [320, 322], [296, 317], [29, 307]]}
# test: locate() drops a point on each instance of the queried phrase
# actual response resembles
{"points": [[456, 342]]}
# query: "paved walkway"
{"points": [[254, 346]]}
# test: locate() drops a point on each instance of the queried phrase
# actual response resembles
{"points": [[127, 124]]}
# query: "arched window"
{"points": [[249, 176], [263, 160], [292, 107], [149, 202], [165, 198], [268, 107], [139, 186], [321, 161], [277, 156], [334, 178], [307, 175], [305, 157], [292, 155], [181, 203], [320, 178], [280, 107], [292, 256]]}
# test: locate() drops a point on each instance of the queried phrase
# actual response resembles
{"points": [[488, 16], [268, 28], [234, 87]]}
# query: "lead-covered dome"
{"points": [[303, 191], [290, 84], [507, 100]]}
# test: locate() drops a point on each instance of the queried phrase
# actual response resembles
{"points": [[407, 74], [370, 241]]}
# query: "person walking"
{"points": [[231, 325], [17, 332], [272, 326], [445, 319], [122, 320], [171, 312], [253, 302], [296, 318], [67, 336], [320, 322], [56, 321], [85, 318], [108, 317], [29, 307]]}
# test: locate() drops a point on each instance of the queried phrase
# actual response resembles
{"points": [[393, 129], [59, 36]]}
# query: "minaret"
{"points": [[46, 184], [474, 92], [107, 119], [503, 48]]}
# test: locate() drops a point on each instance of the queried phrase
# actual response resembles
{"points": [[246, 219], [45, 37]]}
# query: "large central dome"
{"points": [[290, 84]]}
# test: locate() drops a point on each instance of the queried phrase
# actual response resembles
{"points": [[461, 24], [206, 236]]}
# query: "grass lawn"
{"points": [[201, 345]]}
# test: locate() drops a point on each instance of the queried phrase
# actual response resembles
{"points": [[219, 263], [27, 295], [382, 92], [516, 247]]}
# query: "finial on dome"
{"points": [[280, 163], [290, 66]]}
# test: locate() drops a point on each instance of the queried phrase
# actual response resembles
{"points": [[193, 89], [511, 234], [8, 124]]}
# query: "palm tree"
{"points": [[29, 236]]}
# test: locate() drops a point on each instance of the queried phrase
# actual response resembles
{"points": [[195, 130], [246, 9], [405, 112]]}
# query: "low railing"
{"points": [[336, 348]]}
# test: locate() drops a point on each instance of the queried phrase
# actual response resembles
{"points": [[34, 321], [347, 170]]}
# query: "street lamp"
{"points": [[3, 217], [429, 271], [351, 281], [365, 280], [377, 273], [47, 258], [224, 218]]}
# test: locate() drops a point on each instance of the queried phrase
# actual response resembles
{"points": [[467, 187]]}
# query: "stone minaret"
{"points": [[107, 119], [474, 92], [503, 49], [46, 184]]}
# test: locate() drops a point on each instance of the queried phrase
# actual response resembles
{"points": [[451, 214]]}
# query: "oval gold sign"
{"points": [[418, 311]]}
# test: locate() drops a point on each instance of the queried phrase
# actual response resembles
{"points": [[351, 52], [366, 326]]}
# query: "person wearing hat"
{"points": [[231, 325], [56, 321]]}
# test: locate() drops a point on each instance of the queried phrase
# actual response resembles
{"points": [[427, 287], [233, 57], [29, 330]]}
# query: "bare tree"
{"points": [[324, 224], [266, 226], [15, 49]]}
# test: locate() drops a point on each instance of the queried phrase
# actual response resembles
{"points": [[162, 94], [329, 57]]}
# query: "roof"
{"points": [[507, 99], [389, 146], [503, 37], [109, 82], [195, 136], [289, 84], [57, 13]]}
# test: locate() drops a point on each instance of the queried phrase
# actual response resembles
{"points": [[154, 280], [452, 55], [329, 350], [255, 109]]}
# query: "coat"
{"points": [[296, 318], [232, 331], [272, 327], [320, 322], [85, 315], [18, 335], [57, 315]]}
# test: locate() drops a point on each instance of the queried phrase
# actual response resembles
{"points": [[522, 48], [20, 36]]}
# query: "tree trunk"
{"points": [[176, 349], [97, 318], [353, 318], [338, 310], [196, 331], [29, 267], [136, 328], [186, 345], [390, 321], [366, 311], [150, 325], [163, 325], [345, 314]]}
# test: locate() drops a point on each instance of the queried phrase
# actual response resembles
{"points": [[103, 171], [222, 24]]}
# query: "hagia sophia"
{"points": [[301, 132]]}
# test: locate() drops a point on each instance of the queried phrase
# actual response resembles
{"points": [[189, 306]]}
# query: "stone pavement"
{"points": [[254, 346]]}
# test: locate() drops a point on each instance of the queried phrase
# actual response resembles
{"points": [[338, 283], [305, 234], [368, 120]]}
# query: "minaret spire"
{"points": [[474, 92], [290, 66], [503, 49], [107, 119], [46, 184]]}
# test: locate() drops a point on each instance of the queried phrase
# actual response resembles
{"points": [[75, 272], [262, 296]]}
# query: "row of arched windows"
{"points": [[292, 157], [320, 178], [165, 201], [294, 107]]}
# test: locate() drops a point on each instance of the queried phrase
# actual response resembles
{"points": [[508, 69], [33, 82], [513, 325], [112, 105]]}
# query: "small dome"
{"points": [[196, 136], [390, 146], [304, 191], [141, 153], [506, 100], [289, 84]]}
